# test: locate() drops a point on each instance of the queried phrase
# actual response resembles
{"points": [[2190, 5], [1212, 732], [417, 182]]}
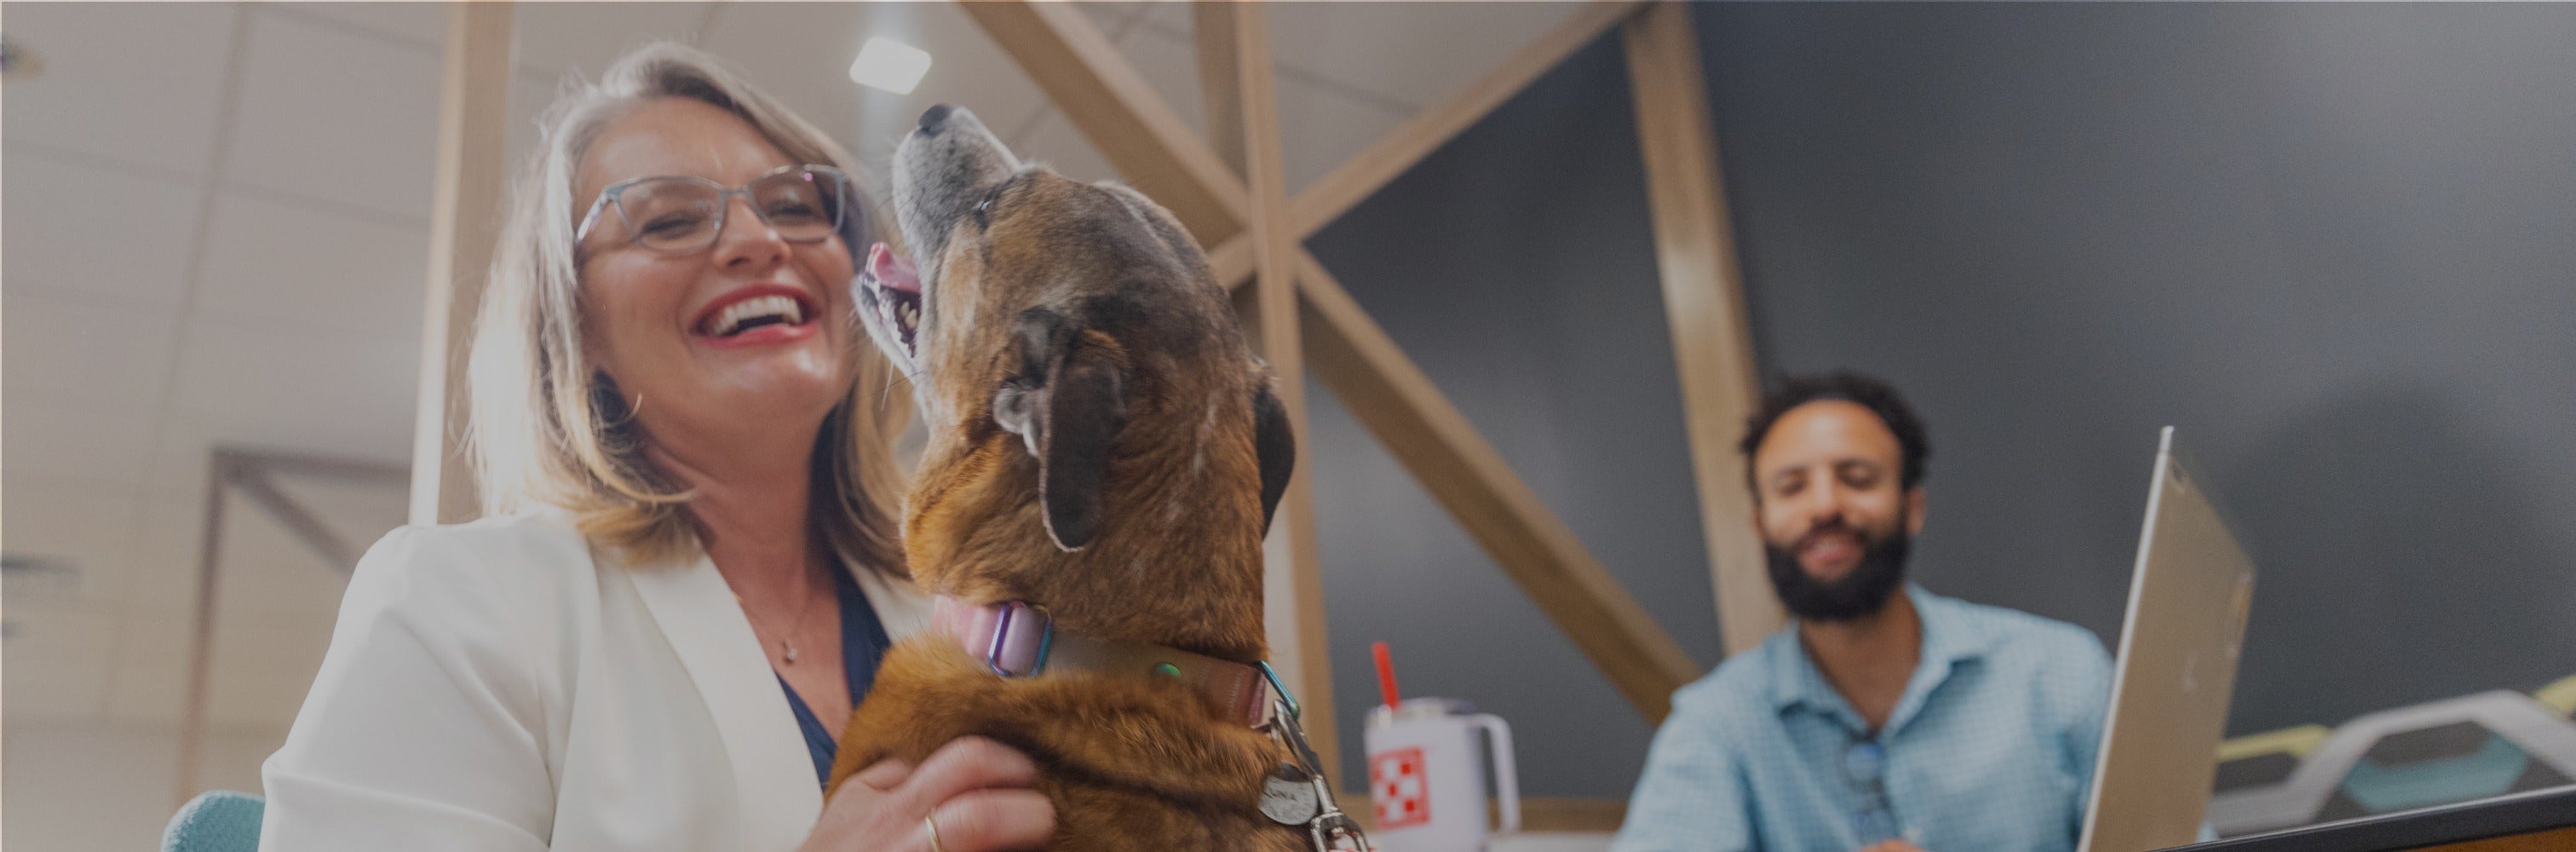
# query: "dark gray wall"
{"points": [[2335, 245]]}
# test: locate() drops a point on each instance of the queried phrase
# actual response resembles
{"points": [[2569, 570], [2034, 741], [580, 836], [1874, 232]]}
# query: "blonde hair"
{"points": [[549, 429]]}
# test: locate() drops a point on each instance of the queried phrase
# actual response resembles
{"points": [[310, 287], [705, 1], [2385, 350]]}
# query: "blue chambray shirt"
{"points": [[1990, 749]]}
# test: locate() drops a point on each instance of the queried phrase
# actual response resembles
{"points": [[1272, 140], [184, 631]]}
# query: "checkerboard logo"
{"points": [[1400, 788]]}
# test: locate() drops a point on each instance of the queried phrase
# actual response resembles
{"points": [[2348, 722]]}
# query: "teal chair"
{"points": [[215, 821]]}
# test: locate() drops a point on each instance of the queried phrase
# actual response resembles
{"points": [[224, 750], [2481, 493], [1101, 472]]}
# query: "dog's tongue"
{"points": [[890, 271]]}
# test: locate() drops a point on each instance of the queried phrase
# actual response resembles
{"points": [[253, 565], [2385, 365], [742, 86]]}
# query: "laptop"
{"points": [[2177, 666]]}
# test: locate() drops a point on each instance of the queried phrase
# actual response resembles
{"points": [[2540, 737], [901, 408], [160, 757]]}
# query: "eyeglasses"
{"points": [[680, 214], [1864, 769]]}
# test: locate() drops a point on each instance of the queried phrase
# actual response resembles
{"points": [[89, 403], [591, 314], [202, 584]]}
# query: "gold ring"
{"points": [[932, 822]]}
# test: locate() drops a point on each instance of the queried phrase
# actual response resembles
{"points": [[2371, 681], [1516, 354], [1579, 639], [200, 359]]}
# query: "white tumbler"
{"points": [[1428, 772]]}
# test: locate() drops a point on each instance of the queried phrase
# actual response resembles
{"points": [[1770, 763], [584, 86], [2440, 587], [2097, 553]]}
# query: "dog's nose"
{"points": [[935, 116]]}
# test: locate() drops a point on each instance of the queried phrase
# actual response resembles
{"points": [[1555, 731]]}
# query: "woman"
{"points": [[690, 567]]}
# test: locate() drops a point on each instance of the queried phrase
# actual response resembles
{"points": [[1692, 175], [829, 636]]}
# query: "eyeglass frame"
{"points": [[724, 204]]}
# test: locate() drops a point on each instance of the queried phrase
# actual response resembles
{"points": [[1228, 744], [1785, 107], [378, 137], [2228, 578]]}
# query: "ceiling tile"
{"points": [[1416, 53], [423, 24], [288, 268], [558, 37], [69, 438], [135, 82], [1114, 18], [1055, 142], [1171, 65], [75, 348], [106, 235], [1320, 129], [1321, 123], [147, 681], [93, 533], [321, 389], [262, 665], [329, 114], [57, 661], [801, 54], [360, 511], [167, 546], [265, 570]]}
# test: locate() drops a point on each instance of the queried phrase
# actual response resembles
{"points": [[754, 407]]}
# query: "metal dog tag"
{"points": [[1288, 796]]}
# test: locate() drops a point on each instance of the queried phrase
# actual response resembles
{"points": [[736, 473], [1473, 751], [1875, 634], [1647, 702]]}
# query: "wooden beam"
{"points": [[1220, 86], [1704, 302], [465, 211], [1366, 172], [1379, 384], [1275, 294], [1390, 396], [1113, 106]]}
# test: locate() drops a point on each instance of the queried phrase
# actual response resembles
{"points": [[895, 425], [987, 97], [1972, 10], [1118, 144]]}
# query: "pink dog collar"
{"points": [[1017, 639]]}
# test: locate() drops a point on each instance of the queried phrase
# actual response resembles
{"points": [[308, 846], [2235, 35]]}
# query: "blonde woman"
{"points": [[690, 564]]}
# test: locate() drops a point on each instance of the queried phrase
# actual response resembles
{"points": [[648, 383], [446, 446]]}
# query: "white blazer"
{"points": [[500, 685]]}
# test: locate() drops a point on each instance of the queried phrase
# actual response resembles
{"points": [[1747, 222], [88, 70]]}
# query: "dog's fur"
{"points": [[1102, 444]]}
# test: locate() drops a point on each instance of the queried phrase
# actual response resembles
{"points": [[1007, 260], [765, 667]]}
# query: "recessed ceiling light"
{"points": [[890, 65]]}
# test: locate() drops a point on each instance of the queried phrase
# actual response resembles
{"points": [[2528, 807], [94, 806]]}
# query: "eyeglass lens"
{"points": [[683, 214], [1864, 767]]}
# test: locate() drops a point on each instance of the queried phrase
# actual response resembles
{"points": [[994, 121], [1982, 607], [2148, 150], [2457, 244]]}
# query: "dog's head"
{"points": [[1075, 326]]}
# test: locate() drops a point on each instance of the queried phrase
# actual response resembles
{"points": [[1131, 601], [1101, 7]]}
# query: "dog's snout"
{"points": [[935, 116]]}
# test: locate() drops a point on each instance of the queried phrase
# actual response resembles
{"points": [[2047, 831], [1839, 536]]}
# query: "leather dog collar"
{"points": [[1017, 639]]}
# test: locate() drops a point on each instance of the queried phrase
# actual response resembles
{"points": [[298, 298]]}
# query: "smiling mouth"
{"points": [[761, 313]]}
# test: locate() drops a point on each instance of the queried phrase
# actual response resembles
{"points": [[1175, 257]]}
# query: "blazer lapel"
{"points": [[773, 772]]}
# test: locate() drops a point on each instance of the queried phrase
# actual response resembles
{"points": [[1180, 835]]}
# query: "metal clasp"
{"points": [[1022, 635]]}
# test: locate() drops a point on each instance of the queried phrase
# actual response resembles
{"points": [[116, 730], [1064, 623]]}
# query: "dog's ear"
{"points": [[1067, 402], [1274, 445]]}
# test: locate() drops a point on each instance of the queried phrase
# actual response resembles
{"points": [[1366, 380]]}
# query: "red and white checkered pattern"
{"points": [[1400, 787]]}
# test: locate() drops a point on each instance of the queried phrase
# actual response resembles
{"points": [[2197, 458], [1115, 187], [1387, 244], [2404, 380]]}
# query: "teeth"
{"points": [[779, 306]]}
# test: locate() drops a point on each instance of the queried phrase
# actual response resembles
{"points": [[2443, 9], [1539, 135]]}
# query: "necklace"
{"points": [[787, 640]]}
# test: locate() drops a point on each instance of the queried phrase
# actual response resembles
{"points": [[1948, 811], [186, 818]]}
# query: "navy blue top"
{"points": [[863, 642]]}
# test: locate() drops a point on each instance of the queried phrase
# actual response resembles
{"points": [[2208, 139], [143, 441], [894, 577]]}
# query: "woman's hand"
{"points": [[977, 794]]}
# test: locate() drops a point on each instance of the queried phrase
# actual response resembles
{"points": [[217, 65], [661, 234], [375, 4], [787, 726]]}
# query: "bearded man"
{"points": [[1885, 718]]}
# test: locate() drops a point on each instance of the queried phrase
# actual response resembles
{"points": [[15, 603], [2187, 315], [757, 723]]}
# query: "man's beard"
{"points": [[1860, 592]]}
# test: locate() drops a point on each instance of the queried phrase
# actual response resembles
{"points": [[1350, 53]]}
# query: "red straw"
{"points": [[1385, 673]]}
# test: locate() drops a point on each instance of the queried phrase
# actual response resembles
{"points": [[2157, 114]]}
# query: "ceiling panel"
{"points": [[93, 532], [111, 236], [136, 82], [147, 682], [167, 542], [264, 570], [330, 114], [293, 268], [309, 390], [68, 438], [1416, 53], [263, 666], [558, 37], [424, 24], [57, 661], [117, 358], [801, 54]]}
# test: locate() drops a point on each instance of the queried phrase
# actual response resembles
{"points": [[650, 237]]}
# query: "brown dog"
{"points": [[1104, 449]]}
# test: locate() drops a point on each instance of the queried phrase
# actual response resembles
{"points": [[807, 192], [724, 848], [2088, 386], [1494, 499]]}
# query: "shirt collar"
{"points": [[1949, 638]]}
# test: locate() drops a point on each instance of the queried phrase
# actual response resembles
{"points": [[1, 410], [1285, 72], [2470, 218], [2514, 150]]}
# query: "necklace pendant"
{"points": [[790, 648]]}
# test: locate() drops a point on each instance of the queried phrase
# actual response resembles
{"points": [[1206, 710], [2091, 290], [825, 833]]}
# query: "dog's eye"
{"points": [[984, 206]]}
